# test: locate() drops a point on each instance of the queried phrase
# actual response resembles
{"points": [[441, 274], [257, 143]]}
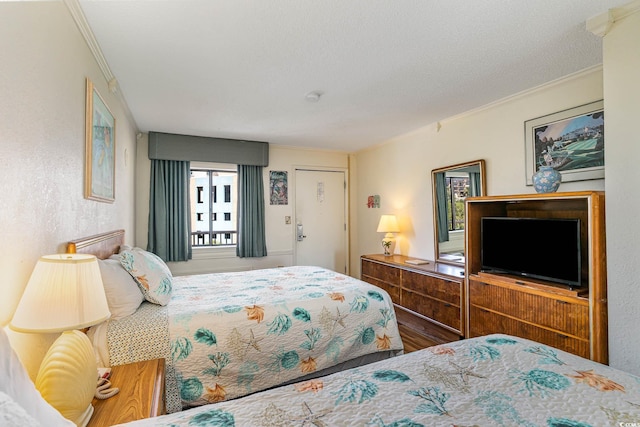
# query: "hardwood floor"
{"points": [[414, 341]]}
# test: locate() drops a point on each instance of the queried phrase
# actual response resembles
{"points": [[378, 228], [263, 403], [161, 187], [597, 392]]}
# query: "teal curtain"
{"points": [[251, 233], [441, 208], [169, 206], [475, 184]]}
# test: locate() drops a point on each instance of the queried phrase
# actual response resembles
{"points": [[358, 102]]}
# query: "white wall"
{"points": [[400, 170], [279, 235], [622, 106], [44, 64]]}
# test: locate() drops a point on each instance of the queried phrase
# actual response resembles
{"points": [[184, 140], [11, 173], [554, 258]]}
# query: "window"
{"points": [[457, 192], [206, 230]]}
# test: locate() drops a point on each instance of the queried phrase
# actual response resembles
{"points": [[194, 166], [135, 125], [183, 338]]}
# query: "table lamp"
{"points": [[65, 293], [388, 224]]}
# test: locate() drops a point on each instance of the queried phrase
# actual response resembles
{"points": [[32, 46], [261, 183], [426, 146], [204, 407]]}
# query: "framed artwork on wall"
{"points": [[100, 157], [278, 188], [571, 141]]}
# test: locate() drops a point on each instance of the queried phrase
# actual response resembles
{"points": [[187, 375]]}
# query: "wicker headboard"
{"points": [[101, 245]]}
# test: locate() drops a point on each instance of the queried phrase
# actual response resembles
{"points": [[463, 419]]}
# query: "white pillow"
{"points": [[16, 384], [14, 415], [123, 295], [150, 272]]}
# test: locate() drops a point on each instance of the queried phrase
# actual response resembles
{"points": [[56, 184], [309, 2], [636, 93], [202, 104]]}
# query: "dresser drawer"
{"points": [[486, 322], [571, 318], [393, 291], [440, 311], [381, 272], [445, 290]]}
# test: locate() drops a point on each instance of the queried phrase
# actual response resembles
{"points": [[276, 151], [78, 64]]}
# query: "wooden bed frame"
{"points": [[101, 245]]}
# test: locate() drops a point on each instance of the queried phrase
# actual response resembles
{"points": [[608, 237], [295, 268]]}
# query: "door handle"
{"points": [[299, 232]]}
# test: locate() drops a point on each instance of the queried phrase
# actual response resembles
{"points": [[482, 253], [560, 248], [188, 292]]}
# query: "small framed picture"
{"points": [[278, 188], [571, 141]]}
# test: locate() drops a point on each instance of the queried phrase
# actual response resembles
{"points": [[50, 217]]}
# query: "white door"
{"points": [[320, 219]]}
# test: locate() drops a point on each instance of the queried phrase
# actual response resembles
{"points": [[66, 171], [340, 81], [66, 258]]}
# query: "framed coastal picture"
{"points": [[100, 176], [571, 141], [278, 188]]}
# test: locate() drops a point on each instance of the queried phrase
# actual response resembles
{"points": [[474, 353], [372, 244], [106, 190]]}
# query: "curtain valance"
{"points": [[168, 146]]}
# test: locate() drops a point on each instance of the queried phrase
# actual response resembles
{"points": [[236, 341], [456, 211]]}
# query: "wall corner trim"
{"points": [[600, 25]]}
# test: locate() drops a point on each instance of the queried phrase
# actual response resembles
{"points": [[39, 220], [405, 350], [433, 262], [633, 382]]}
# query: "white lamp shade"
{"points": [[388, 224], [64, 292]]}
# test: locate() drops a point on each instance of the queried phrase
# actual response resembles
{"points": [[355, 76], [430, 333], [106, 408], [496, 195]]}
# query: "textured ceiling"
{"points": [[241, 68]]}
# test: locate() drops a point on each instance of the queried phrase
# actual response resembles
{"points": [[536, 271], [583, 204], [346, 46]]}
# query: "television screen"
{"points": [[547, 249]]}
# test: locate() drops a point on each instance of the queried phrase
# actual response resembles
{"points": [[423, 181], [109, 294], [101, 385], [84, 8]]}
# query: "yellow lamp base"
{"points": [[68, 376]]}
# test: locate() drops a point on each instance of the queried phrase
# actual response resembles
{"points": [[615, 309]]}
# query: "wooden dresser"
{"points": [[571, 320], [428, 298], [531, 309]]}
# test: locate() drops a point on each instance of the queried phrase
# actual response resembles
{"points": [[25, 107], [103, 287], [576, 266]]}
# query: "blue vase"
{"points": [[546, 180]]}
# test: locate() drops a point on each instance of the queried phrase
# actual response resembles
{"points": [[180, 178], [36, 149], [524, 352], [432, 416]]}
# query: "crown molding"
{"points": [[81, 21], [600, 25], [527, 92], [83, 26]]}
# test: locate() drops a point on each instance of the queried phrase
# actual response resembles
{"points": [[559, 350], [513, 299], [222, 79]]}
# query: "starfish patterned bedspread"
{"points": [[232, 334], [496, 380]]}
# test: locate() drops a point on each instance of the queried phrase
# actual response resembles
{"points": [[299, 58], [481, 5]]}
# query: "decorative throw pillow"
{"points": [[150, 272], [122, 292]]}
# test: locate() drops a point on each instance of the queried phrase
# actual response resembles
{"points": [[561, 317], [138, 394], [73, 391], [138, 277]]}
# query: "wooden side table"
{"points": [[141, 394]]}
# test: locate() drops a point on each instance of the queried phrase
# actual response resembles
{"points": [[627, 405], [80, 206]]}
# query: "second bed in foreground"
{"points": [[495, 380]]}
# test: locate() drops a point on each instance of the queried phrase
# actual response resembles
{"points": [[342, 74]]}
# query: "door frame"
{"points": [[347, 231]]}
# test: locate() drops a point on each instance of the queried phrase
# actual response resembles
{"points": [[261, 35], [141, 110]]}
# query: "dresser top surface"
{"points": [[431, 266]]}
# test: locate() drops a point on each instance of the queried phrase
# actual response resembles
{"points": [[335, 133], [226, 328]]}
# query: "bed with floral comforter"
{"points": [[226, 335], [496, 380]]}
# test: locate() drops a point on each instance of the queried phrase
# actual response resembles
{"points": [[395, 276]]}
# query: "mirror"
{"points": [[451, 186]]}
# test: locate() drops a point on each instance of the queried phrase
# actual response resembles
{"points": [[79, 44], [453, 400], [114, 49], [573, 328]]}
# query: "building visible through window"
{"points": [[457, 192], [227, 193], [206, 228]]}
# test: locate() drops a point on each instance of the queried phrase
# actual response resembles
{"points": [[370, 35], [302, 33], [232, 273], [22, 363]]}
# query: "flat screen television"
{"points": [[547, 249]]}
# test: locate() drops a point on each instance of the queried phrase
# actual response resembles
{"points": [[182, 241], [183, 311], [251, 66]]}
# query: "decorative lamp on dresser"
{"points": [[428, 296], [571, 318]]}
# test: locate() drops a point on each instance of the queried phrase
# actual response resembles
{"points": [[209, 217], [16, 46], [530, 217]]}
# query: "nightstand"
{"points": [[141, 394]]}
